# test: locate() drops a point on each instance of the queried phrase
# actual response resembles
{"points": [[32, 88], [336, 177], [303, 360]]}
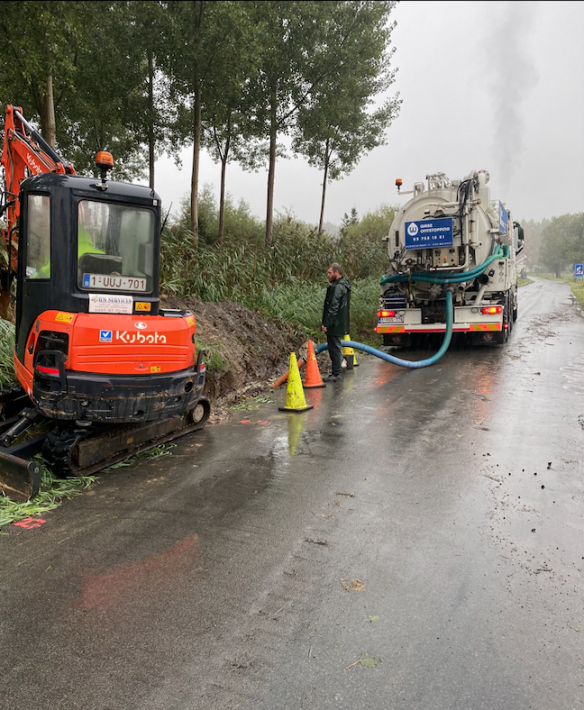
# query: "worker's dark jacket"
{"points": [[336, 311]]}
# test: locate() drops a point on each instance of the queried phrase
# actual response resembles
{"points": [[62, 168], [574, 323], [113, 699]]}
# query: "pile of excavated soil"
{"points": [[246, 352]]}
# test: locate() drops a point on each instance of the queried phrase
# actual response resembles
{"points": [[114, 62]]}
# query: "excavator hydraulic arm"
{"points": [[24, 152]]}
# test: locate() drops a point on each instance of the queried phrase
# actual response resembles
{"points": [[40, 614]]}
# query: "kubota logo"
{"points": [[32, 164], [140, 325], [129, 338]]}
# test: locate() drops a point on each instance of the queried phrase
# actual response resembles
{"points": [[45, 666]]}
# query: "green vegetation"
{"points": [[578, 291], [53, 492], [250, 403], [141, 79], [560, 243], [7, 373], [286, 281]]}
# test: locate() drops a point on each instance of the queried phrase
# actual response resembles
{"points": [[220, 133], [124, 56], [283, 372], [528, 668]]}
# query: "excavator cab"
{"points": [[94, 351], [75, 242]]}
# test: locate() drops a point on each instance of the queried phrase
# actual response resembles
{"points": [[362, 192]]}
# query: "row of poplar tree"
{"points": [[145, 78]]}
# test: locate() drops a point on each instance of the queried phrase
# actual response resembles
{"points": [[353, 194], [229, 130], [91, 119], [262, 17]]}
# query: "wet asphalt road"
{"points": [[213, 578]]}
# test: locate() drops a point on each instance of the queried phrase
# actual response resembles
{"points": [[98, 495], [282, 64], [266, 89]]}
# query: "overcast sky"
{"points": [[485, 85]]}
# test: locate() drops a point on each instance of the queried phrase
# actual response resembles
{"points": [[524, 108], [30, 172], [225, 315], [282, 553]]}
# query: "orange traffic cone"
{"points": [[312, 377]]}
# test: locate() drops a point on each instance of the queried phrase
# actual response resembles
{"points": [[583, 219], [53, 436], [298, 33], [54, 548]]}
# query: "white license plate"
{"points": [[395, 319], [114, 283]]}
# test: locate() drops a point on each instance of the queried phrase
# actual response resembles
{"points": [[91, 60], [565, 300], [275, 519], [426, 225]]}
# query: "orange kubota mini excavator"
{"points": [[94, 352]]}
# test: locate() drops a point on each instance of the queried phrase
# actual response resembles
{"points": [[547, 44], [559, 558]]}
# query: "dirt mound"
{"points": [[245, 352]]}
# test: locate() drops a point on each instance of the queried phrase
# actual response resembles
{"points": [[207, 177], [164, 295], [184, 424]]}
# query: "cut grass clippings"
{"points": [[54, 491], [250, 403]]}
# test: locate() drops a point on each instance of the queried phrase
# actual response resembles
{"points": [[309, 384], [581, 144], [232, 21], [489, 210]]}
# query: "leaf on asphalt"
{"points": [[353, 585], [368, 661], [576, 628], [372, 618]]}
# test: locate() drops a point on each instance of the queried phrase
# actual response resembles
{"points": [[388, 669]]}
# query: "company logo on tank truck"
{"points": [[429, 233]]}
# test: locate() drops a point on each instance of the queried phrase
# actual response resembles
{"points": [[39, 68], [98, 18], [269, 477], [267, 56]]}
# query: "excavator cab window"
{"points": [[38, 237], [115, 247]]}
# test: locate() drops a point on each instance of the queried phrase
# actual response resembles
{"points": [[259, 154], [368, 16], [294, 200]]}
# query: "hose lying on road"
{"points": [[406, 363]]}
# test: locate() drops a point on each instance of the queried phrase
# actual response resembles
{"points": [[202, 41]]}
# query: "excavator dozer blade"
{"points": [[19, 479]]}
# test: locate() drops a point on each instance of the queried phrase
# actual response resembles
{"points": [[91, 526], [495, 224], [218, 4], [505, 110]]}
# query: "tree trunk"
{"points": [[271, 171], [151, 152], [196, 156], [48, 123], [326, 165], [224, 158]]}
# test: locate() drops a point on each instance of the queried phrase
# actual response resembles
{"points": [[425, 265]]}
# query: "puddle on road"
{"points": [[574, 375]]}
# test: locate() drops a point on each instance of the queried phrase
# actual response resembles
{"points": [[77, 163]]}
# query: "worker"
{"points": [[336, 318], [85, 243]]}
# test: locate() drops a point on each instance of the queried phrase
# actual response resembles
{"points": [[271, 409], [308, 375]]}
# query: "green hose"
{"points": [[436, 278], [406, 363]]}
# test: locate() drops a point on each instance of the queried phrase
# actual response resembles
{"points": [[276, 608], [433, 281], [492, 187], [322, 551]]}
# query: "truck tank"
{"points": [[450, 236]]}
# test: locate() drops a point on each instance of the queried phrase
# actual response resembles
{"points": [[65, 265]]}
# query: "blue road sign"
{"points": [[579, 270], [429, 233]]}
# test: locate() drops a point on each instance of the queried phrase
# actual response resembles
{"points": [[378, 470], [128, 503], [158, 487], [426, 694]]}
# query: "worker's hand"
{"points": [[323, 328]]}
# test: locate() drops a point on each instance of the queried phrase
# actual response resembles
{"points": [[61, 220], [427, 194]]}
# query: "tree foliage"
{"points": [[143, 77], [203, 47], [106, 109], [563, 242], [38, 57], [340, 123]]}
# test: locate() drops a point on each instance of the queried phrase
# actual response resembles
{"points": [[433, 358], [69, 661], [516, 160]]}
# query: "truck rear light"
{"points": [[385, 314], [491, 310]]}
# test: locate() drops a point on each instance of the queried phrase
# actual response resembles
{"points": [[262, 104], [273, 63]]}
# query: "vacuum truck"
{"points": [[450, 237]]}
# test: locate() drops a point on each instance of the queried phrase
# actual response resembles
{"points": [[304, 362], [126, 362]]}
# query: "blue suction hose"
{"points": [[397, 361]]}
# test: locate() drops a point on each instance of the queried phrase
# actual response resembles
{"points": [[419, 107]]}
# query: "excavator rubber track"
{"points": [[79, 451], [72, 451]]}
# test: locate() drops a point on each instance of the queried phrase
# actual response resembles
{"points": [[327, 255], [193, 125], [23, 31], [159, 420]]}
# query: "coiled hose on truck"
{"points": [[501, 253]]}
